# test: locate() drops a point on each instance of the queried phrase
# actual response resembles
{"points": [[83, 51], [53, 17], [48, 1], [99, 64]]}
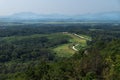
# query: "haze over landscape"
{"points": [[68, 7], [59, 39], [60, 10]]}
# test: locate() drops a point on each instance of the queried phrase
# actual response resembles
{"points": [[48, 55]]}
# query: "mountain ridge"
{"points": [[109, 16]]}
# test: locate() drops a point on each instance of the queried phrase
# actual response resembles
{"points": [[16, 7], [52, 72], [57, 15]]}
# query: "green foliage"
{"points": [[26, 52]]}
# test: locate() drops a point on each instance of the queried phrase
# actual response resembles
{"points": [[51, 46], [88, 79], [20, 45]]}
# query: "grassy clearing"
{"points": [[66, 49], [76, 39]]}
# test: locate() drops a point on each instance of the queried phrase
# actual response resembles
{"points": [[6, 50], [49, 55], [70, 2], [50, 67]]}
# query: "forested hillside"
{"points": [[43, 51]]}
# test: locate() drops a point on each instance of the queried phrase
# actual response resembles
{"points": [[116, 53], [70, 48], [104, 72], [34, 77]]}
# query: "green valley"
{"points": [[67, 51]]}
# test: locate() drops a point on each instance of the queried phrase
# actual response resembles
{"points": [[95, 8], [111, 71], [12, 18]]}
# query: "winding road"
{"points": [[77, 44], [75, 48]]}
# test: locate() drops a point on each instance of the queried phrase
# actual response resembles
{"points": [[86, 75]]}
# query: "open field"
{"points": [[75, 43], [64, 50]]}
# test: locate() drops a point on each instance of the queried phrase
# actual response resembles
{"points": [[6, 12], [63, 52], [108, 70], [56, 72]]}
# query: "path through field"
{"points": [[67, 50]]}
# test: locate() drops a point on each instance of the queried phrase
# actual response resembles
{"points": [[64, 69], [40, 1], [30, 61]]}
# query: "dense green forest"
{"points": [[27, 52]]}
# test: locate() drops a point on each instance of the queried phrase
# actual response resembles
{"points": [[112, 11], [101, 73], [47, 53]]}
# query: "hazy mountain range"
{"points": [[28, 16]]}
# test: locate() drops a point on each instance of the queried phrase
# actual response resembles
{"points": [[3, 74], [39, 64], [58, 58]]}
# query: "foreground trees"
{"points": [[94, 65]]}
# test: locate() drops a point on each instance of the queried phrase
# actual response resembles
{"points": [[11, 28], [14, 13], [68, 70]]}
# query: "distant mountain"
{"points": [[24, 15], [101, 16], [28, 16]]}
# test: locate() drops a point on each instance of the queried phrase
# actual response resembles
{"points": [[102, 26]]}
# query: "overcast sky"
{"points": [[71, 7]]}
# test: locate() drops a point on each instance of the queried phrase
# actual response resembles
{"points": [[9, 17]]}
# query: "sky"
{"points": [[69, 7]]}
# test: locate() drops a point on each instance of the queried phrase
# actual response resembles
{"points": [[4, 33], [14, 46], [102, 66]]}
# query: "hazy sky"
{"points": [[73, 7]]}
